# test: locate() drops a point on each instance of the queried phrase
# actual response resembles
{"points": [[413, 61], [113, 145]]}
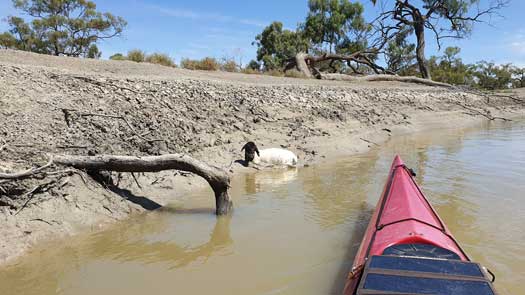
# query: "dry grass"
{"points": [[136, 55], [160, 59], [205, 64], [229, 66], [294, 74]]}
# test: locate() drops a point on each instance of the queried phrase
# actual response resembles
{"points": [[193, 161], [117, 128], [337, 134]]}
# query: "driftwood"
{"points": [[406, 79], [218, 179], [26, 173]]}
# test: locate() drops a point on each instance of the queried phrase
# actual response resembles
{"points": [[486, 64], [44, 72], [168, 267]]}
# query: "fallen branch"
{"points": [[136, 181], [477, 112], [26, 173], [218, 179], [393, 78], [29, 194]]}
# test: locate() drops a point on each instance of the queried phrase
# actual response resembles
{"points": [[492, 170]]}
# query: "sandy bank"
{"points": [[44, 101]]}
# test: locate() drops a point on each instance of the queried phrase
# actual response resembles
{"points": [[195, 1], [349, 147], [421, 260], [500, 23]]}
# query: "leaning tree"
{"points": [[444, 18], [60, 27], [337, 33]]}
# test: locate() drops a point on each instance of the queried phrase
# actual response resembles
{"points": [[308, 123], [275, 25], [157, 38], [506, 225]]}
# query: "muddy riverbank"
{"points": [[58, 105], [296, 231]]}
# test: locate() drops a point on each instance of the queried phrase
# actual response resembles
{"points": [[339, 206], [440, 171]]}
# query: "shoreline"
{"points": [[205, 118], [186, 184]]}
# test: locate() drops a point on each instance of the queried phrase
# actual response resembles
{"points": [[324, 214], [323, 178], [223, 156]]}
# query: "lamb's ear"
{"points": [[244, 147], [257, 151]]}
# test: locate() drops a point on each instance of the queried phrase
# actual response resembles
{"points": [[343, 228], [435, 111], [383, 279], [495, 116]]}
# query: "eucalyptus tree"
{"points": [[443, 18], [61, 27]]}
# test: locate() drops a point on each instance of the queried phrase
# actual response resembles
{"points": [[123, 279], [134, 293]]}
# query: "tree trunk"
{"points": [[218, 179], [302, 66], [419, 28]]}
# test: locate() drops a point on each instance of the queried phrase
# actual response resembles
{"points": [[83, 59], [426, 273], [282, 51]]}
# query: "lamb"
{"points": [[272, 156], [249, 152]]}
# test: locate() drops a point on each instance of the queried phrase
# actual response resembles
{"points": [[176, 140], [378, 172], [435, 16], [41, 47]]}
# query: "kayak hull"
{"points": [[403, 216]]}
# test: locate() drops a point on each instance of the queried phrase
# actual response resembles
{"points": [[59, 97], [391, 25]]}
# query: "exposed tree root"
{"points": [[218, 179], [486, 115]]}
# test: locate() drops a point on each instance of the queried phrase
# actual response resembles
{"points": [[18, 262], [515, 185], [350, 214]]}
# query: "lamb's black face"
{"points": [[250, 148]]}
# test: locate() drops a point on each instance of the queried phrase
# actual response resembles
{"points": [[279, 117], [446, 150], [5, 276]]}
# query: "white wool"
{"points": [[276, 156]]}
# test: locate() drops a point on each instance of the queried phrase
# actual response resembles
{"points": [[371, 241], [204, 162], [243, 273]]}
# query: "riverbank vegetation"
{"points": [[334, 38]]}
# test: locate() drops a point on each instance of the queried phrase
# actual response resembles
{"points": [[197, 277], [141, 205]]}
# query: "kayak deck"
{"points": [[420, 275]]}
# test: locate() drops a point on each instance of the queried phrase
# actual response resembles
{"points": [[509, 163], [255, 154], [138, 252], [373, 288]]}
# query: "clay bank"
{"points": [[57, 106]]}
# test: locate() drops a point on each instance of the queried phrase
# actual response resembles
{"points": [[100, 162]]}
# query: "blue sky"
{"points": [[201, 28]]}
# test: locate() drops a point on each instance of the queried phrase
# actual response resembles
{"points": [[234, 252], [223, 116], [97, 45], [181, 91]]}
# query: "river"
{"points": [[296, 231]]}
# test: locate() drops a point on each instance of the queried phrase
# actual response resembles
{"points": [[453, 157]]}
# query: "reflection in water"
{"points": [[268, 179], [296, 231]]}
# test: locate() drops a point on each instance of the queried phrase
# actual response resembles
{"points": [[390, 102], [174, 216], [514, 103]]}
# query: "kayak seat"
{"points": [[420, 250], [418, 275]]}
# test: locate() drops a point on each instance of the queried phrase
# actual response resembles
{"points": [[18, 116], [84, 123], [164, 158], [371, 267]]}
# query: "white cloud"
{"points": [[516, 42], [217, 17]]}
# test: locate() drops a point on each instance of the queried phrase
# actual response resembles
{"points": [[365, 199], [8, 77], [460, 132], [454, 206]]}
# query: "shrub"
{"points": [[254, 65], [205, 64], [117, 56], [229, 66], [208, 64], [189, 64], [160, 59], [136, 55], [7, 41]]}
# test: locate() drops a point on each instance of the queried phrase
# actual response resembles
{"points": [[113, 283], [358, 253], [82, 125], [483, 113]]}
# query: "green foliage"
{"points": [[331, 26], [93, 52], [276, 46], [7, 40], [205, 64], [254, 65], [444, 18], [62, 27], [136, 55], [118, 56], [329, 22], [400, 55], [160, 59], [491, 76], [518, 75], [449, 68]]}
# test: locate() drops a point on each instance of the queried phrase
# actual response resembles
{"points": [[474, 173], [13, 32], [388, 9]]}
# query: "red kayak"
{"points": [[407, 249]]}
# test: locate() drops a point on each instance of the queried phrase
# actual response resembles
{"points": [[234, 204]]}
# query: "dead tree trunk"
{"points": [[218, 179]]}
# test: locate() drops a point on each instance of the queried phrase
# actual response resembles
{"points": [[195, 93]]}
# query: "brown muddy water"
{"points": [[296, 231]]}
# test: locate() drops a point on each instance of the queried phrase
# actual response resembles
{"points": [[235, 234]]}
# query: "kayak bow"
{"points": [[407, 248]]}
